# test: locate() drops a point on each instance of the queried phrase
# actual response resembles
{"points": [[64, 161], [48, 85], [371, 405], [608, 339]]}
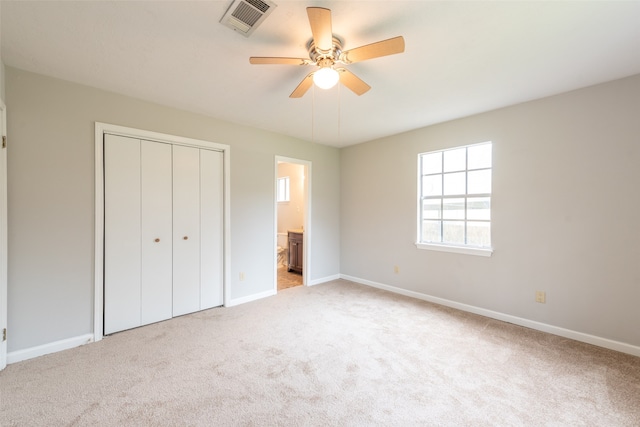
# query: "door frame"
{"points": [[306, 236], [3, 238], [104, 128]]}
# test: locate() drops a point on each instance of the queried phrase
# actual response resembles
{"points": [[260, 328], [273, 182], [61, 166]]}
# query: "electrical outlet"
{"points": [[241, 277], [541, 297], [396, 269]]}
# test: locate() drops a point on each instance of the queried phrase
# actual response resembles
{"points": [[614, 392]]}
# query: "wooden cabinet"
{"points": [[295, 251]]}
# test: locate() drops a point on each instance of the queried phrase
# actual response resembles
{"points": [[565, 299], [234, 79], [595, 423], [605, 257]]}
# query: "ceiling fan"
{"points": [[325, 51]]}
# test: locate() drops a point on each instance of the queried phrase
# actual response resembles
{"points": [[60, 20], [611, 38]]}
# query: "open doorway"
{"points": [[292, 222]]}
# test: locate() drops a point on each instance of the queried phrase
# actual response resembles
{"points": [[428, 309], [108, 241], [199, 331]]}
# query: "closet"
{"points": [[163, 245]]}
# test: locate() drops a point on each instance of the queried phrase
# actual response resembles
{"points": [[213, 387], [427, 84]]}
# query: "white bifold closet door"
{"points": [[197, 228], [163, 231], [211, 229], [156, 221], [186, 230], [122, 245]]}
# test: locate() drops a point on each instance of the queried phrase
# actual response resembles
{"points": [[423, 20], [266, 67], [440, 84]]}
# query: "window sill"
{"points": [[456, 249]]}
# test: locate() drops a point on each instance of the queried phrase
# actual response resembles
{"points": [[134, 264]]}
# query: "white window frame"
{"points": [[442, 246], [286, 189]]}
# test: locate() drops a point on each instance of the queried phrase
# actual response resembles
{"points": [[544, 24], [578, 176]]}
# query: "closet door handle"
{"points": [[157, 240], [185, 238]]}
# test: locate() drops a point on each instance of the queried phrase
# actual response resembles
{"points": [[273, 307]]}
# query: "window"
{"points": [[455, 199], [283, 189]]}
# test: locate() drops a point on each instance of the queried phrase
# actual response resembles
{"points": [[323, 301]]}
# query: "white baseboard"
{"points": [[249, 298], [323, 280], [555, 330], [41, 350]]}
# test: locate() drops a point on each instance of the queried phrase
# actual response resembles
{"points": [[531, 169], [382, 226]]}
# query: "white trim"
{"points": [[98, 269], [3, 238], [445, 247], [100, 130], [53, 347], [468, 250], [532, 324], [324, 280], [159, 137], [306, 236], [249, 298]]}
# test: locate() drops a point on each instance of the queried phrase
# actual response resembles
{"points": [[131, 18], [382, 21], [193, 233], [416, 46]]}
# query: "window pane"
{"points": [[454, 184], [479, 182], [432, 163], [455, 160], [479, 156], [431, 231], [455, 196], [432, 185], [283, 189], [479, 233], [453, 209], [453, 232], [479, 208], [432, 209]]}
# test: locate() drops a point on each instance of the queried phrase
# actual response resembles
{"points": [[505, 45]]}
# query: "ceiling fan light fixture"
{"points": [[326, 78], [325, 51]]}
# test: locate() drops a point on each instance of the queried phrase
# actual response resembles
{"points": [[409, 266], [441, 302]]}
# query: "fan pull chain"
{"points": [[313, 113], [339, 109]]}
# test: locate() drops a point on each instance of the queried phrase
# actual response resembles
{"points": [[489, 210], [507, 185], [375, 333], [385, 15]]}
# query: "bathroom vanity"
{"points": [[295, 251]]}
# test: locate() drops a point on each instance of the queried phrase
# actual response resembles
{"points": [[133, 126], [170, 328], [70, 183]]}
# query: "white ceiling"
{"points": [[461, 58]]}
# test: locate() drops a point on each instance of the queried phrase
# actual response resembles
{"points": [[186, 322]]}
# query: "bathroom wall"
{"points": [[291, 213]]}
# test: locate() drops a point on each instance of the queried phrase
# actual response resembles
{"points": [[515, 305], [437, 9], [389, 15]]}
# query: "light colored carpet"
{"points": [[337, 354]]}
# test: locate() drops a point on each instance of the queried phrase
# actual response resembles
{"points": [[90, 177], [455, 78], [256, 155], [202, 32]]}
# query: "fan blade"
{"points": [[352, 81], [303, 87], [276, 60], [320, 21], [373, 50]]}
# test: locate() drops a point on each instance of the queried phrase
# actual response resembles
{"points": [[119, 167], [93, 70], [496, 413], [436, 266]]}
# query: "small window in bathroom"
{"points": [[283, 189]]}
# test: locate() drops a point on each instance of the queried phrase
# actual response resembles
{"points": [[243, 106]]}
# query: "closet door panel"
{"points": [[211, 228], [186, 230], [156, 281], [122, 246]]}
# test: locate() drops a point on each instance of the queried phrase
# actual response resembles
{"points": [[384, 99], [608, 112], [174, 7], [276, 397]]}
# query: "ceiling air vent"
{"points": [[244, 16]]}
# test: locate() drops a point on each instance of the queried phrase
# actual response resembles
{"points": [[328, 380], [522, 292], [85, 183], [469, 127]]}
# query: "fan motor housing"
{"points": [[317, 55]]}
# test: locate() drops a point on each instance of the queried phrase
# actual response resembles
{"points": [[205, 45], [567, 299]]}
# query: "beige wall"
{"points": [[564, 213], [51, 199], [1, 61], [2, 96]]}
